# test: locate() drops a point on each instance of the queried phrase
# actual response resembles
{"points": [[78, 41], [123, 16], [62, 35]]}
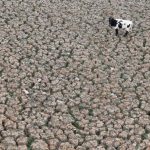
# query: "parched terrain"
{"points": [[67, 82]]}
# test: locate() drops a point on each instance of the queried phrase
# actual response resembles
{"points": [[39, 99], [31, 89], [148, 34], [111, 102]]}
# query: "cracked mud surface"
{"points": [[67, 83]]}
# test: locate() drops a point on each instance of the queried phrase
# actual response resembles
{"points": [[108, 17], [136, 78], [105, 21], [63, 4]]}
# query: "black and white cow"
{"points": [[120, 24]]}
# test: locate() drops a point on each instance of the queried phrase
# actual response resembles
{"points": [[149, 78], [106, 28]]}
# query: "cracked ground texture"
{"points": [[67, 82]]}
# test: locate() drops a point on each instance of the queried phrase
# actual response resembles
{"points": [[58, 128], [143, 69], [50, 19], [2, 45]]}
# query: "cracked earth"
{"points": [[67, 82]]}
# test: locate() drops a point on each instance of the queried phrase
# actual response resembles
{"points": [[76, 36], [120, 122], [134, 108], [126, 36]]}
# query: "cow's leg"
{"points": [[116, 32], [126, 34]]}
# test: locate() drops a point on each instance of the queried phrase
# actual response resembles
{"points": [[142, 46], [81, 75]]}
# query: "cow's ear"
{"points": [[111, 18]]}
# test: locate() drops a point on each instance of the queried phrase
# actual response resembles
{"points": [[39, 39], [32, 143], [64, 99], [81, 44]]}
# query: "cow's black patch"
{"points": [[112, 22], [120, 25], [128, 26]]}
